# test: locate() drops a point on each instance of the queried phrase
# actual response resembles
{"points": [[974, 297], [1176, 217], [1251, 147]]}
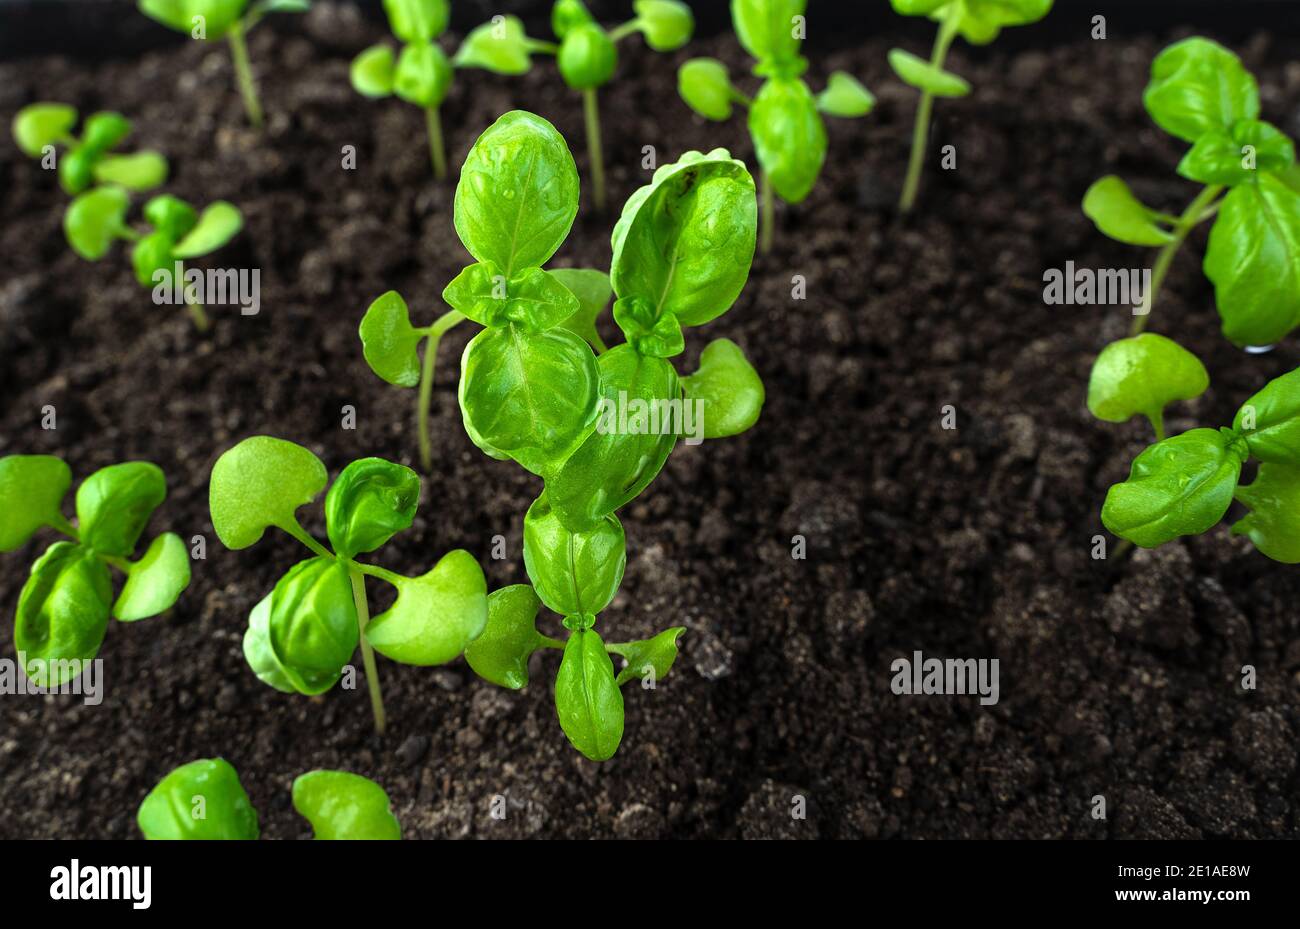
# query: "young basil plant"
{"points": [[302, 635], [64, 607], [419, 74], [1201, 93], [596, 429], [586, 53], [211, 20], [204, 800], [178, 232], [785, 118], [1184, 485], [977, 21], [39, 129]]}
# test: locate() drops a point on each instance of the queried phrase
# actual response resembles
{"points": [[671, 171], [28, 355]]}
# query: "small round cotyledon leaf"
{"points": [[390, 342], [705, 85], [1273, 522], [500, 655], [435, 615], [593, 290], [40, 124], [1180, 486], [729, 387], [1143, 374], [845, 97], [587, 699], [567, 15], [666, 24], [114, 505], [258, 652], [1270, 421], [217, 225], [94, 219], [371, 501], [518, 193], [922, 75], [417, 21], [261, 482], [587, 57], [32, 488], [423, 76], [62, 614], [767, 27], [217, 15], [1118, 214], [655, 655], [199, 800], [140, 171], [500, 46], [1198, 86], [312, 627], [154, 583], [104, 130], [341, 805], [789, 137], [573, 572], [372, 72]]}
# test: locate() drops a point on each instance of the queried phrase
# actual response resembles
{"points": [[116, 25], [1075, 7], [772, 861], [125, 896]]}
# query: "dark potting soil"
{"points": [[1120, 679]]}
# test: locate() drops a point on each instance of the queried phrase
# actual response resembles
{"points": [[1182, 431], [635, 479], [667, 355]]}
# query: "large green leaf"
{"points": [[154, 583], [1198, 86], [574, 573], [115, 503], [1270, 421], [32, 488], [199, 800], [1143, 374], [435, 615], [500, 655], [789, 137], [1273, 522], [261, 482], [371, 501], [587, 699], [340, 805], [729, 387], [62, 614]]}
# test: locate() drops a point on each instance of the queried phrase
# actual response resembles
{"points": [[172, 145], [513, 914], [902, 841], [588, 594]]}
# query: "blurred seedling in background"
{"points": [[204, 800], [178, 232], [302, 635], [64, 607], [587, 55], [785, 119], [979, 22], [39, 129], [213, 20]]}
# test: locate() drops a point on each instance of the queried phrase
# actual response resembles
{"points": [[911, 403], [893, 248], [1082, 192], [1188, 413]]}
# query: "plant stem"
{"points": [[244, 73], [591, 112], [768, 221], [435, 333], [367, 653], [1198, 210], [201, 321], [921, 131], [433, 121]]}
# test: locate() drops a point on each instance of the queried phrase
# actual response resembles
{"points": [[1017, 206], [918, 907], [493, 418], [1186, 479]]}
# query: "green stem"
{"points": [[768, 234], [436, 149], [618, 33], [60, 523], [591, 112], [921, 131], [367, 653], [299, 533], [544, 48], [1197, 211], [244, 73], [435, 333]]}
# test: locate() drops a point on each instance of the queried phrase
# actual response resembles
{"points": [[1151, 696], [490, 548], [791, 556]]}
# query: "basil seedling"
{"points": [[64, 607], [302, 635], [95, 219], [1183, 485], [784, 118], [211, 20], [1201, 93], [587, 55], [41, 127], [977, 21], [205, 800]]}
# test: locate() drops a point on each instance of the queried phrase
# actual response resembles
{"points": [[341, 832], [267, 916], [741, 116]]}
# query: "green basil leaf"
{"points": [[1273, 522], [1251, 258], [312, 627], [845, 97], [918, 7], [94, 219], [62, 614], [389, 341], [217, 15], [534, 299], [567, 15], [104, 130], [153, 259], [170, 215], [729, 387], [423, 76], [258, 651], [982, 20], [261, 482], [199, 800], [1143, 374], [767, 28], [417, 21], [705, 85], [587, 57], [1198, 86], [154, 583], [217, 225], [141, 171], [587, 700], [77, 170], [531, 395], [115, 503], [32, 488], [435, 615], [1117, 213], [518, 194], [370, 502], [593, 290], [922, 75], [372, 72], [666, 24], [340, 805], [40, 124], [648, 334], [1270, 421], [648, 655], [573, 572], [789, 137], [1180, 486], [1219, 157], [685, 241], [500, 655], [501, 47]]}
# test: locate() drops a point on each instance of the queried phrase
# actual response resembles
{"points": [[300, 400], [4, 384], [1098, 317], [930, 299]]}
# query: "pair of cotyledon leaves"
{"points": [[89, 159], [65, 605], [305, 631], [1201, 93], [204, 800], [420, 73]]}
